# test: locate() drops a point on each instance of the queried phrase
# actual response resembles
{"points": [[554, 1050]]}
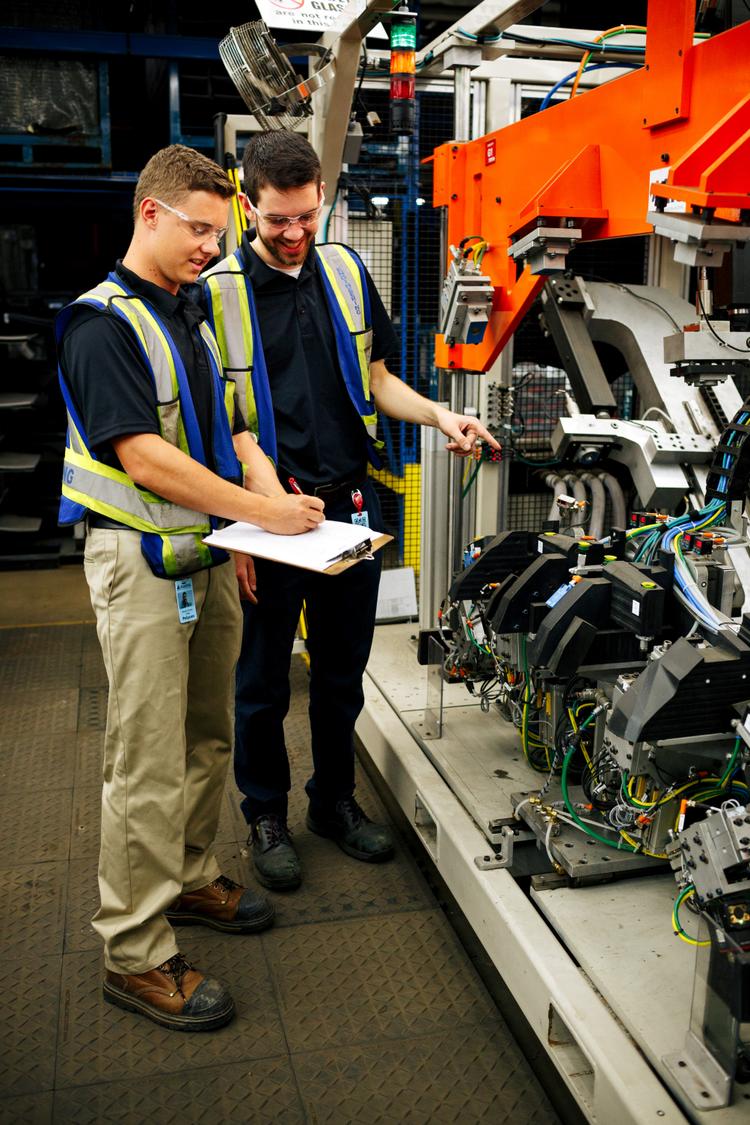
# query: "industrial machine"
{"points": [[603, 653], [623, 659], [614, 637]]}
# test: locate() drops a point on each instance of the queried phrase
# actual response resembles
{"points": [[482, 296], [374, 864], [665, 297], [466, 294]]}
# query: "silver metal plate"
{"points": [[582, 857]]}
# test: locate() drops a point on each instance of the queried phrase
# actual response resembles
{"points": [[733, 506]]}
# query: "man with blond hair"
{"points": [[156, 457]]}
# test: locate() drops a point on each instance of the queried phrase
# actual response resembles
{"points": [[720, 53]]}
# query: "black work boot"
{"points": [[354, 832], [276, 863]]}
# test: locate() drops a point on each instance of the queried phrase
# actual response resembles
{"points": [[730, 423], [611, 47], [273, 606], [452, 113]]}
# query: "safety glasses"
{"points": [[201, 232], [281, 222]]}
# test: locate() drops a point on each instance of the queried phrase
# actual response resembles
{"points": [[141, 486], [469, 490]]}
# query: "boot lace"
{"points": [[274, 830], [176, 968], [223, 883], [350, 811]]}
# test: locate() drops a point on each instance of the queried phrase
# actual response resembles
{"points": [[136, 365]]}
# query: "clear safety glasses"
{"points": [[201, 232]]}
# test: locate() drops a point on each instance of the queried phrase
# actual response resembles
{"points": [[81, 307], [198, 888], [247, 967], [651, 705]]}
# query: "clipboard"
{"points": [[330, 548], [351, 558]]}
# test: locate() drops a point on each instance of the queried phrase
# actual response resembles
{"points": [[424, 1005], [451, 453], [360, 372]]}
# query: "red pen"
{"points": [[294, 486]]}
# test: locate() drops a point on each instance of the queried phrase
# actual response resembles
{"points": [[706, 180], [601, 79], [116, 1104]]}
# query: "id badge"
{"points": [[185, 595], [359, 517]]}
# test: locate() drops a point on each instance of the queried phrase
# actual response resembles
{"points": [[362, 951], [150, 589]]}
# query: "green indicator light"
{"points": [[404, 35], [648, 585], [610, 558]]}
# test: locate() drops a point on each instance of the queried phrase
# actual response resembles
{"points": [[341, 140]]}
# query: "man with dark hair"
{"points": [[154, 455], [294, 162], [303, 332]]}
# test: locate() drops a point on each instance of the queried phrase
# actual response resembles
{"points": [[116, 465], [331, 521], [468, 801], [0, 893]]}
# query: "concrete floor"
{"points": [[359, 1005]]}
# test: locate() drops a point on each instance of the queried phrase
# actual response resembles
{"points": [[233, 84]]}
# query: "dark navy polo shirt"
{"points": [[319, 434]]}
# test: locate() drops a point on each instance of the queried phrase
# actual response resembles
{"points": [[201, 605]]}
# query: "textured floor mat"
{"points": [[360, 1005], [264, 1093]]}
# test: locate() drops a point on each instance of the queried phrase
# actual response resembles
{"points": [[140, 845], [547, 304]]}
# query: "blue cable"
{"points": [[666, 536], [702, 611], [569, 78], [727, 460]]}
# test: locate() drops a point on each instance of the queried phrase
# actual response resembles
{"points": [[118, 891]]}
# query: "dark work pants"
{"points": [[340, 621]]}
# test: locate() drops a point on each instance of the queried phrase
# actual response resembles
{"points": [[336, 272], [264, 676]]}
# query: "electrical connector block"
{"points": [[466, 301]]}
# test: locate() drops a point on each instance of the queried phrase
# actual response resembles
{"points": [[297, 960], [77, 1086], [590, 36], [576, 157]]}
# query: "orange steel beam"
{"points": [[586, 163], [668, 43], [717, 168]]}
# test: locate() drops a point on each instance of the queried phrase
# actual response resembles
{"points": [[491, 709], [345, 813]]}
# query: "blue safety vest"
{"points": [[172, 536], [234, 319]]}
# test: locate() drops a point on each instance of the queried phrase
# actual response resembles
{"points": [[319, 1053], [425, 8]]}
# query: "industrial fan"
{"points": [[265, 79]]}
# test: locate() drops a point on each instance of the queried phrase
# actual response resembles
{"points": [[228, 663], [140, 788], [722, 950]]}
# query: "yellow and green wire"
{"points": [[677, 929]]}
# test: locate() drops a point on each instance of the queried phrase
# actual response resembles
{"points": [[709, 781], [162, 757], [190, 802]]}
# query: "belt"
{"points": [[93, 519], [329, 490]]}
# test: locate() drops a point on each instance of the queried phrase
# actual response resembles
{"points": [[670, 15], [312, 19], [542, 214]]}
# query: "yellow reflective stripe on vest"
{"points": [[112, 493], [229, 387], [75, 441], [234, 332], [163, 366], [343, 273], [179, 553], [156, 346], [162, 362], [210, 341], [363, 344], [149, 333]]}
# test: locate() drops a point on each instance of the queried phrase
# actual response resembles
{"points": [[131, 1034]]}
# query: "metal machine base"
{"points": [[595, 969]]}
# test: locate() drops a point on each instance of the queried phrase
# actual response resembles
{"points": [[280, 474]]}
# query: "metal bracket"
{"points": [[655, 458], [699, 1075], [462, 56], [705, 358], [502, 854], [697, 242], [545, 249]]}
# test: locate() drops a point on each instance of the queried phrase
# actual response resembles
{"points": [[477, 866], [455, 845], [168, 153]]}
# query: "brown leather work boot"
{"points": [[222, 905], [174, 995]]}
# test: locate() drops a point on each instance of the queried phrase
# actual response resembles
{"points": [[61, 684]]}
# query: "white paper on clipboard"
{"points": [[325, 546]]}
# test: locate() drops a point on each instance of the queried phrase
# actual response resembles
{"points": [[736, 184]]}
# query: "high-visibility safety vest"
{"points": [[171, 539], [234, 319]]}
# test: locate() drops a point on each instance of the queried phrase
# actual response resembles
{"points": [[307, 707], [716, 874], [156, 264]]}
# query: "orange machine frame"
{"points": [[586, 163]]}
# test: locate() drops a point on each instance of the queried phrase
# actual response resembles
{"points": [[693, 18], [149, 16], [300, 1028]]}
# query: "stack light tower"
{"points": [[403, 71]]}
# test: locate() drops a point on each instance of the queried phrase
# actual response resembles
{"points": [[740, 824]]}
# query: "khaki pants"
{"points": [[168, 741]]}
